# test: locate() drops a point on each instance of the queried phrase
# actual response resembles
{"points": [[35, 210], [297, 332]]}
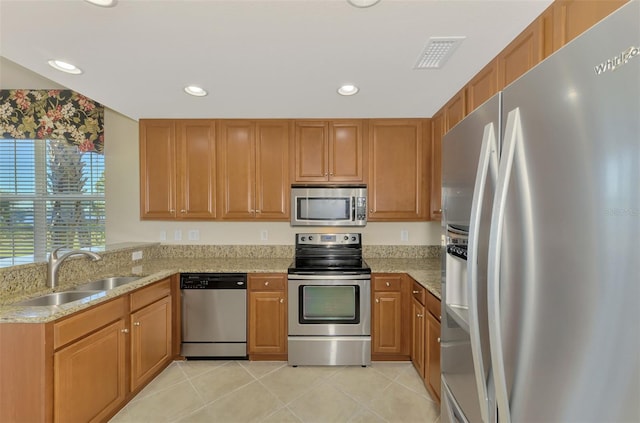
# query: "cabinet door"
{"points": [[437, 130], [89, 376], [455, 110], [418, 335], [432, 367], [386, 336], [397, 157], [273, 184], [150, 341], [346, 151], [572, 17], [197, 169], [311, 151], [267, 322], [523, 53], [157, 169], [236, 160], [482, 87]]}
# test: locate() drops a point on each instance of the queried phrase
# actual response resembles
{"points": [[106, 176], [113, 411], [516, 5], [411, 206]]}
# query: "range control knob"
{"points": [[302, 238], [310, 237], [353, 238], [346, 238]]}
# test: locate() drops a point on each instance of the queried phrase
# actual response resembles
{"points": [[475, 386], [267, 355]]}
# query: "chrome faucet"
{"points": [[55, 262]]}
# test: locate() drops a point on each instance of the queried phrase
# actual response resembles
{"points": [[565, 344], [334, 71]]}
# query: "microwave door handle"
{"points": [[353, 208]]}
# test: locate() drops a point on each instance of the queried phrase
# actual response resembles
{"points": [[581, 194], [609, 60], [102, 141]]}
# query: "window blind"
{"points": [[51, 195]]}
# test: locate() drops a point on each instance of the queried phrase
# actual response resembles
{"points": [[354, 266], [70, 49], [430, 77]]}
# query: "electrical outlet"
{"points": [[177, 235], [264, 235], [163, 235], [404, 235], [136, 255], [194, 235]]}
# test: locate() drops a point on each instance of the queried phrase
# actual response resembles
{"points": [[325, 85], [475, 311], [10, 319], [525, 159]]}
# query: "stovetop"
{"points": [[329, 254]]}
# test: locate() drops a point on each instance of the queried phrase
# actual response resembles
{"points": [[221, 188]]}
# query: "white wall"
{"points": [[123, 196]]}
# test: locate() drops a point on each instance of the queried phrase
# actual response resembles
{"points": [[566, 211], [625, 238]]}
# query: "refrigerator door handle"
{"points": [[512, 137], [487, 168]]}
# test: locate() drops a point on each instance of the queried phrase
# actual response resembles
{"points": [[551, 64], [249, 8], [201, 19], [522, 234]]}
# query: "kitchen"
{"points": [[433, 240]]}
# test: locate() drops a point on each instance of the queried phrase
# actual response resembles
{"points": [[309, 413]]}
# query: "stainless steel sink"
{"points": [[105, 283], [57, 298]]}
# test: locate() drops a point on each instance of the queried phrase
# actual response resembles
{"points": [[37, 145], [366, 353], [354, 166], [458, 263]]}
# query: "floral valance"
{"points": [[52, 114]]}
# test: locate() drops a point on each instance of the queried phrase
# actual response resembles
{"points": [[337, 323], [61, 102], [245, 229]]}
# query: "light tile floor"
{"points": [[258, 391]]}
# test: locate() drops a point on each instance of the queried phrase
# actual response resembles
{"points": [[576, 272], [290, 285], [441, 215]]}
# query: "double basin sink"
{"points": [[95, 288]]}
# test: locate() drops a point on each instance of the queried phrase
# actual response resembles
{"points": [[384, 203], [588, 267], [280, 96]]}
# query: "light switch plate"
{"points": [[177, 235], [404, 235], [264, 235], [194, 235]]}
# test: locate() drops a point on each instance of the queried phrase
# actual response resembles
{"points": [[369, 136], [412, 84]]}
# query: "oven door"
{"points": [[329, 306]]}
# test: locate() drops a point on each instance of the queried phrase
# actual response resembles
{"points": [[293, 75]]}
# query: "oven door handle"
{"points": [[342, 276]]}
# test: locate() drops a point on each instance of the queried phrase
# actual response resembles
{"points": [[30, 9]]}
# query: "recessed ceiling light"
{"points": [[195, 91], [64, 67], [103, 3], [348, 89], [362, 3]]}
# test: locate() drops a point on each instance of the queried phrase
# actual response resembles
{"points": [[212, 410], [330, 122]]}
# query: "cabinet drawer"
{"points": [[274, 282], [85, 322], [418, 292], [387, 283], [149, 294], [433, 305]]}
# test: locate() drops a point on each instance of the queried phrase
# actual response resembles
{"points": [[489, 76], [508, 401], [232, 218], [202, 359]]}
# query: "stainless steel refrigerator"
{"points": [[541, 212]]}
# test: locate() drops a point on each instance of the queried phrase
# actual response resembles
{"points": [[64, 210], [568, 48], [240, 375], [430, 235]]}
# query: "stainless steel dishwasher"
{"points": [[214, 315]]}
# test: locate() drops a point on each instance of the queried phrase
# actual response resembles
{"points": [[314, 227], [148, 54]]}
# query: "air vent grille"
{"points": [[437, 52]]}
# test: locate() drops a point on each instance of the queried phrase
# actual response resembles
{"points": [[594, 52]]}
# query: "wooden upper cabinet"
{"points": [[177, 169], [455, 110], [523, 53], [437, 131], [398, 151], [482, 87], [572, 17], [157, 169], [253, 160], [330, 151], [196, 169]]}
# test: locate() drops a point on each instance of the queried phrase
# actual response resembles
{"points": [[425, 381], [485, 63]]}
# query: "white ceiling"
{"points": [[258, 59]]}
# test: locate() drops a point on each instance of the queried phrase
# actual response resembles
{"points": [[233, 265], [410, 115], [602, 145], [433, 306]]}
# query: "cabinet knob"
{"points": [[418, 315], [439, 211], [136, 323], [415, 292], [172, 211], [331, 174], [370, 210], [325, 174], [266, 283], [377, 300], [438, 340], [258, 211], [388, 283], [183, 211], [281, 300], [125, 330]]}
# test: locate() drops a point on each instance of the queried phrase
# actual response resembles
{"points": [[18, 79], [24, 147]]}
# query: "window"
{"points": [[51, 195]]}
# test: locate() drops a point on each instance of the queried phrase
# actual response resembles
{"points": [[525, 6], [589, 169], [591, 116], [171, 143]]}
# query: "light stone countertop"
{"points": [[425, 271]]}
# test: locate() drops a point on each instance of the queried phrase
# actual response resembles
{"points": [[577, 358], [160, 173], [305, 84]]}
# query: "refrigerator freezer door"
{"points": [[568, 293], [464, 354]]}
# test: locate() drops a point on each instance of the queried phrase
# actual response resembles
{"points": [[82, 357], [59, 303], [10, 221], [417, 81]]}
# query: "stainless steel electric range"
{"points": [[329, 301]]}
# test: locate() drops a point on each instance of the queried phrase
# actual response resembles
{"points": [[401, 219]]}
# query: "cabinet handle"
{"points": [[266, 283], [125, 330], [331, 174], [281, 300], [377, 300], [438, 340], [258, 211], [416, 292], [418, 315], [183, 211], [136, 323], [439, 211], [388, 283], [172, 211]]}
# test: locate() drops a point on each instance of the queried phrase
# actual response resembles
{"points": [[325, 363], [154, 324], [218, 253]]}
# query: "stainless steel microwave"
{"points": [[328, 205]]}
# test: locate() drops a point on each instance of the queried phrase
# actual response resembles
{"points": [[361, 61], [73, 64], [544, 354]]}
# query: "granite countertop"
{"points": [[424, 271]]}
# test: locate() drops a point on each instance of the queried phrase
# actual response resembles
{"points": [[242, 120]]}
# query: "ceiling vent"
{"points": [[437, 52]]}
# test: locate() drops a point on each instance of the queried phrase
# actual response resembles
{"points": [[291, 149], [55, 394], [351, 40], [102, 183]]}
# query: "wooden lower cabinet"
{"points": [[390, 333], [267, 320], [151, 334], [90, 377], [418, 336], [432, 355], [76, 369]]}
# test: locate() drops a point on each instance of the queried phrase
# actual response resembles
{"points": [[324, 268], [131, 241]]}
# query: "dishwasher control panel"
{"points": [[213, 281]]}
